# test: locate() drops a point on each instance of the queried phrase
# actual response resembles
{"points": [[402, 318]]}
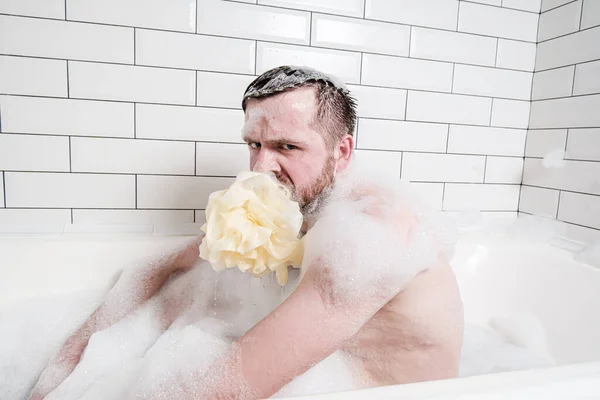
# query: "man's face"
{"points": [[282, 139]]}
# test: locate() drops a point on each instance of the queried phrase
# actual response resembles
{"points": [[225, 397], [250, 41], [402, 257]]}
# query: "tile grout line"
{"points": [[68, 90], [409, 40], [71, 216], [255, 57], [496, 58], [134, 49], [447, 139], [581, 17], [310, 31], [135, 120], [195, 159], [70, 156], [573, 83], [4, 186], [361, 68], [485, 173], [558, 204], [66, 11], [196, 88], [457, 15], [491, 112], [365, 9], [406, 106], [136, 192], [443, 194]]}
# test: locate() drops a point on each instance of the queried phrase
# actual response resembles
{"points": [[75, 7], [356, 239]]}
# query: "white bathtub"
{"points": [[499, 274]]}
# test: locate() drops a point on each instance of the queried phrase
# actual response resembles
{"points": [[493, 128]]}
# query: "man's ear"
{"points": [[344, 153]]}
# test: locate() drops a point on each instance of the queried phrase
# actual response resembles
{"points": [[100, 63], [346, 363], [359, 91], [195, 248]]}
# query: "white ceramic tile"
{"points": [[189, 123], [63, 190], [486, 140], [568, 50], [513, 54], [406, 73], [591, 14], [132, 156], [353, 8], [584, 144], [550, 4], [385, 164], [452, 46], [553, 83], [504, 170], [250, 21], [574, 112], [400, 135], [587, 78], [492, 82], [34, 8], [576, 176], [431, 193], [497, 22], [222, 90], [173, 15], [452, 108], [510, 113], [66, 40], [221, 159], [183, 50], [132, 217], [2, 187], [131, 83], [580, 209], [66, 117], [538, 201], [426, 167], [342, 64], [376, 102], [526, 5], [560, 21], [360, 35], [429, 13], [11, 217], [542, 142], [177, 192], [34, 153], [21, 75], [460, 197]]}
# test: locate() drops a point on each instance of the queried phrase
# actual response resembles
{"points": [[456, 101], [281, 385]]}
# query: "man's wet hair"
{"points": [[336, 108]]}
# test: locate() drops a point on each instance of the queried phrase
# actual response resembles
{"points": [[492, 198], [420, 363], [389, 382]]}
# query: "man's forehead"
{"points": [[293, 103]]}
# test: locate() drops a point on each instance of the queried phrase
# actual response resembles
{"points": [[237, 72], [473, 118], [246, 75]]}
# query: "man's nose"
{"points": [[266, 161]]}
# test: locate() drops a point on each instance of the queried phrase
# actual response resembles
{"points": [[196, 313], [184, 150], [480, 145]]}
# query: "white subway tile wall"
{"points": [[129, 111]]}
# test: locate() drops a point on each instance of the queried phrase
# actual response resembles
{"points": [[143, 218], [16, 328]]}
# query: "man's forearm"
{"points": [[134, 287]]}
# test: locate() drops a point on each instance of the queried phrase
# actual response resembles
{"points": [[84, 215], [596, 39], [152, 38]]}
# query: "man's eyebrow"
{"points": [[280, 141]]}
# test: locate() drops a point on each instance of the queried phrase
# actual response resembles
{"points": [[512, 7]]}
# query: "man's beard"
{"points": [[312, 198]]}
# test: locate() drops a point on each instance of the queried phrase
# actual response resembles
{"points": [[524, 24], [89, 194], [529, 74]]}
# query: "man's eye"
{"points": [[289, 147], [254, 145]]}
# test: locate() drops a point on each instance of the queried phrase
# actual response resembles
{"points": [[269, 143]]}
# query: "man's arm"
{"points": [[133, 288], [303, 330]]}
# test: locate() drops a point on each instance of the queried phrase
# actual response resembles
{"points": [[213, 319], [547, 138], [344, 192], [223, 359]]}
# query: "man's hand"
{"points": [[134, 287]]}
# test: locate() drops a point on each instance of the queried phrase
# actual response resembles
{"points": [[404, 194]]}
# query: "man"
{"points": [[362, 294]]}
